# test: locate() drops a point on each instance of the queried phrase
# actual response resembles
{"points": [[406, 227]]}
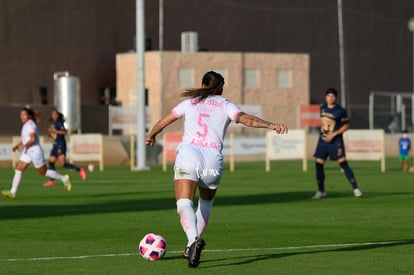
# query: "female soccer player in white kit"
{"points": [[199, 159], [32, 152]]}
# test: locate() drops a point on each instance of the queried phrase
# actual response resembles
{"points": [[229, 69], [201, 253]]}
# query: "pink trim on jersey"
{"points": [[175, 113], [235, 116]]}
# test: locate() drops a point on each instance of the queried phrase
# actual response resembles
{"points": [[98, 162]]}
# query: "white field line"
{"points": [[207, 250]]}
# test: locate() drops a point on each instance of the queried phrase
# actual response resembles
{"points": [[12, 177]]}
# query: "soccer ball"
{"points": [[152, 247], [91, 167]]}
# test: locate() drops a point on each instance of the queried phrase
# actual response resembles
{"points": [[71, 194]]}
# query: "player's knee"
{"points": [[343, 164], [183, 204], [42, 170], [207, 195], [61, 162], [319, 161]]}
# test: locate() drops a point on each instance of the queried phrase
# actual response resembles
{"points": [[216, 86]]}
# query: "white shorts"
{"points": [[34, 154], [202, 165]]}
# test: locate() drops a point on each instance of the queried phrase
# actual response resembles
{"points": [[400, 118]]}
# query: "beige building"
{"points": [[279, 82]]}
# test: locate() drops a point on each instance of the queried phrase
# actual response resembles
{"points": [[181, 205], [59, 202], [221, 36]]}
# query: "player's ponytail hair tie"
{"points": [[212, 85]]}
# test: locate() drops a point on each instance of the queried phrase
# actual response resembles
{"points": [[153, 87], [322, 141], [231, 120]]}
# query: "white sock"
{"points": [[188, 219], [203, 214], [54, 175], [16, 181]]}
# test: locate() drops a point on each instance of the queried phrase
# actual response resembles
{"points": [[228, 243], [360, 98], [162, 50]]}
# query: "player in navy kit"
{"points": [[57, 131], [334, 122]]}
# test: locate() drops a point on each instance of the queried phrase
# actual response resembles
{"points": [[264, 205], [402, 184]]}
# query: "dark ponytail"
{"points": [[213, 85]]}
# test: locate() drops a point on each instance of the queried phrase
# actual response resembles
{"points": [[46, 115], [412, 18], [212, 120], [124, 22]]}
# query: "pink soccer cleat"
{"points": [[82, 173], [49, 183]]}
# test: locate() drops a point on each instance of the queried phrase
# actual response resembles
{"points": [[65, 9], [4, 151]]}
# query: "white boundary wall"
{"points": [[243, 146], [233, 146], [365, 145], [290, 146], [125, 119], [87, 147], [360, 145], [6, 151]]}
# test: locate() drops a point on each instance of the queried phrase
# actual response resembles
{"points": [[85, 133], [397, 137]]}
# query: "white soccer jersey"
{"points": [[34, 153], [28, 128], [206, 121]]}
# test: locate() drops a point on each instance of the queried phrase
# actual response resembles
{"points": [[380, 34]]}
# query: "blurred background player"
{"points": [[31, 152], [57, 132], [334, 122], [405, 146], [199, 158]]}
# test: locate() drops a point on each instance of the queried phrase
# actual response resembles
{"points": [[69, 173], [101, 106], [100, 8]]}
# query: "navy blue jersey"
{"points": [[332, 119], [59, 125]]}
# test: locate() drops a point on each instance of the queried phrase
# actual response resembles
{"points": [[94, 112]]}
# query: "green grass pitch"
{"points": [[262, 223]]}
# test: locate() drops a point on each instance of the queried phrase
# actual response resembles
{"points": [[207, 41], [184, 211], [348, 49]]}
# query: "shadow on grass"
{"points": [[242, 260], [17, 211]]}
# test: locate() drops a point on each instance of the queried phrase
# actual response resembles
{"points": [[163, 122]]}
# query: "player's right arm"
{"points": [[18, 147], [53, 132], [330, 136], [158, 127], [256, 122]]}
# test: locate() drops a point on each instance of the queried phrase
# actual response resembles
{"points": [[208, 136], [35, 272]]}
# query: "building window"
{"points": [[251, 78], [185, 77], [284, 79]]}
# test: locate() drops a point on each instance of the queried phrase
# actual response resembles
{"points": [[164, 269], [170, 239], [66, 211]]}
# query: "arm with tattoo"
{"points": [[256, 122]]}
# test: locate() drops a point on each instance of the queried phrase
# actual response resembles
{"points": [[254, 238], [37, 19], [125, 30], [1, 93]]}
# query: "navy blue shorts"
{"points": [[335, 150], [58, 149]]}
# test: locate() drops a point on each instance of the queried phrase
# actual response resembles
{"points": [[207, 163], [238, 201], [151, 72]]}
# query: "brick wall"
{"points": [[279, 105]]}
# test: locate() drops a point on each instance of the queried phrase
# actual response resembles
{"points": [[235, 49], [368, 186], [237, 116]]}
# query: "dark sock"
{"points": [[71, 166], [320, 177], [52, 166], [349, 174]]}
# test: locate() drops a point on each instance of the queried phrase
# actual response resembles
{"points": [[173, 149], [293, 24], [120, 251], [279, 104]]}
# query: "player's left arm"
{"points": [[256, 122], [158, 127]]}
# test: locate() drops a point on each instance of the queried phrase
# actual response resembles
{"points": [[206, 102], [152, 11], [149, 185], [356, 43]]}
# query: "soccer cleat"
{"points": [[49, 183], [357, 193], [8, 194], [195, 252], [319, 195], [186, 253], [82, 173], [67, 183]]}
